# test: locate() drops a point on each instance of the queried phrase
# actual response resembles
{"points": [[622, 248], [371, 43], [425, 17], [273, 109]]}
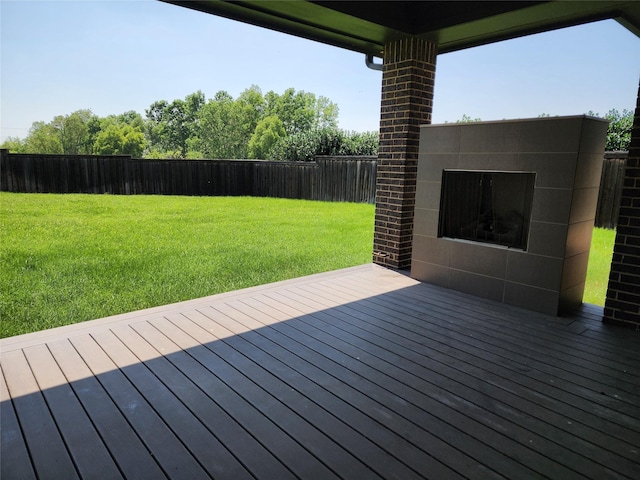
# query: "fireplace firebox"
{"points": [[489, 207]]}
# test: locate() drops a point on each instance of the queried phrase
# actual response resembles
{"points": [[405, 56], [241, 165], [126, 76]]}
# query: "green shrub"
{"points": [[304, 146]]}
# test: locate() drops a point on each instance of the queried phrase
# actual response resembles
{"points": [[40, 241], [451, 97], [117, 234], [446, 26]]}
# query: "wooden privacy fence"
{"points": [[348, 179], [610, 189]]}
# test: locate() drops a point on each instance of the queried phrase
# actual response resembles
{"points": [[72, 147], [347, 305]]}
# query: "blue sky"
{"points": [[119, 55]]}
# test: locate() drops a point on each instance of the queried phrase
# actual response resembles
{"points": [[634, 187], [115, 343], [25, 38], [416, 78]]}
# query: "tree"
{"points": [[467, 119], [253, 106], [225, 125], [94, 126], [619, 131], [14, 145], [109, 141], [223, 129], [170, 126], [119, 139], [154, 128], [130, 117], [326, 113], [43, 138], [267, 133], [73, 132], [301, 111]]}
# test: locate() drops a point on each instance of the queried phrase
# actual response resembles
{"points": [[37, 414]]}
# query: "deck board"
{"points": [[358, 373]]}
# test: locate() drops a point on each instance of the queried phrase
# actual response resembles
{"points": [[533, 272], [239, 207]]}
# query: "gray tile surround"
{"points": [[566, 155]]}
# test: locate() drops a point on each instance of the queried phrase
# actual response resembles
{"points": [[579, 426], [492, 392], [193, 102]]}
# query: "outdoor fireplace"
{"points": [[505, 210]]}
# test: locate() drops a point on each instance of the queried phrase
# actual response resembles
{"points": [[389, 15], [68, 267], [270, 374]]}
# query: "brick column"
{"points": [[622, 305], [407, 94]]}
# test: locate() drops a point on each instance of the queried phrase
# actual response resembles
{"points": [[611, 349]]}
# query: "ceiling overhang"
{"points": [[366, 26]]}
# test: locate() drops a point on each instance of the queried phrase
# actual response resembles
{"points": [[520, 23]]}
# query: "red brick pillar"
{"points": [[622, 305], [407, 93]]}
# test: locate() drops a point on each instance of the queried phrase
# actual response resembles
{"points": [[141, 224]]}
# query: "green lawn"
{"points": [[599, 265], [69, 258]]}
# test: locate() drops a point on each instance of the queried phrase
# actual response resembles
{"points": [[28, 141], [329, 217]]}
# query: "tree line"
{"points": [[294, 125]]}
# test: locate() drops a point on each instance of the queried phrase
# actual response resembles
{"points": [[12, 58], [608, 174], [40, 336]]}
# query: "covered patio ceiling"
{"points": [[366, 27]]}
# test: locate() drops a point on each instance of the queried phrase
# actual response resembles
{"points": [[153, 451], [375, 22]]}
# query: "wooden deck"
{"points": [[362, 373]]}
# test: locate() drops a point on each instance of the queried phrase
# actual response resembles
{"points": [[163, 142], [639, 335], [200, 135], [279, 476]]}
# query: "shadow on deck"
{"points": [[354, 374]]}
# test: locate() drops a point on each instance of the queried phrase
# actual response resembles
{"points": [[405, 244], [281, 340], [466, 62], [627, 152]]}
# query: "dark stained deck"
{"points": [[362, 373]]}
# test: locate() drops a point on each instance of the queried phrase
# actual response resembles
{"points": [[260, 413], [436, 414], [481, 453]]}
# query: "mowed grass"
{"points": [[599, 265], [70, 258]]}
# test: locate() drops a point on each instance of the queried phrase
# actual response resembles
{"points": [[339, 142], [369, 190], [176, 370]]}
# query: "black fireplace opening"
{"points": [[487, 206]]}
